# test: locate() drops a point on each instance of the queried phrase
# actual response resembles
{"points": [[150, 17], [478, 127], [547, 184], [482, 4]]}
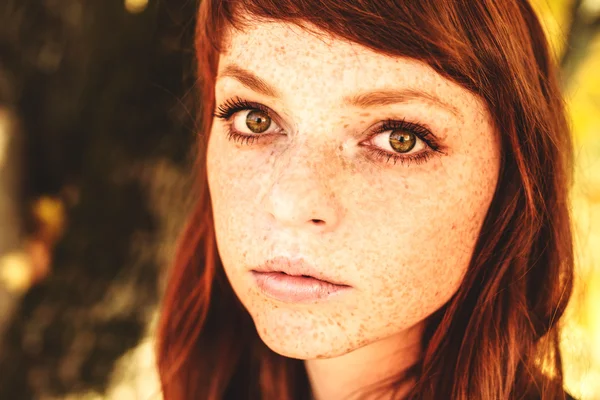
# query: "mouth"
{"points": [[295, 281]]}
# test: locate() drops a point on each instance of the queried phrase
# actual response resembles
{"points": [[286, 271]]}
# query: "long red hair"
{"points": [[491, 339]]}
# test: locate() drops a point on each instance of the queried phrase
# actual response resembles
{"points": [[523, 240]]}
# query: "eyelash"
{"points": [[233, 106]]}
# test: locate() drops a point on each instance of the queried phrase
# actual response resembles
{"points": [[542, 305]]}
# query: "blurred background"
{"points": [[96, 146]]}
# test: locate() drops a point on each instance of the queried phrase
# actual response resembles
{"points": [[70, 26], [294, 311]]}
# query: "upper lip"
{"points": [[295, 267]]}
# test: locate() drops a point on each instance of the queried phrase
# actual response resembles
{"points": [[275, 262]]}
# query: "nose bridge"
{"points": [[311, 152], [306, 157], [302, 188]]}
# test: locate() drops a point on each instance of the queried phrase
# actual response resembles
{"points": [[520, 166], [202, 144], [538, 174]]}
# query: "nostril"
{"points": [[318, 221]]}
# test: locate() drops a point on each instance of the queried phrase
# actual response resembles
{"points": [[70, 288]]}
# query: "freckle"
{"points": [[365, 114], [346, 125], [405, 185], [315, 335]]}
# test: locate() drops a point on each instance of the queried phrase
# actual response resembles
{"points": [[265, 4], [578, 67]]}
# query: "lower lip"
{"points": [[295, 289]]}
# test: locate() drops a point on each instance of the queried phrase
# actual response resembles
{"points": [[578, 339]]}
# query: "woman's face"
{"points": [[400, 234]]}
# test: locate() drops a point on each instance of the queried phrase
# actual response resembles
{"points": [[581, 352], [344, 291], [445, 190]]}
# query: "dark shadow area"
{"points": [[100, 94]]}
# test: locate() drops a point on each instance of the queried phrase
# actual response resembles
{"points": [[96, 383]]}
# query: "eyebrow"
{"points": [[250, 80], [373, 98]]}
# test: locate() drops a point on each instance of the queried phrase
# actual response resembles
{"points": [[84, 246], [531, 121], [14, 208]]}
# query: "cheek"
{"points": [[423, 241], [234, 210]]}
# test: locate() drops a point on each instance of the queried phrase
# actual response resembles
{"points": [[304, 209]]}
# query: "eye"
{"points": [[403, 141], [253, 121], [399, 141], [247, 121]]}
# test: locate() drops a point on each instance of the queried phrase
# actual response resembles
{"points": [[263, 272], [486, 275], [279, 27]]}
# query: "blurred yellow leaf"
{"points": [[16, 271]]}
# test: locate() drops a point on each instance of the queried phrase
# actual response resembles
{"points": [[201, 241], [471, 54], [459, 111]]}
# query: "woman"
{"points": [[383, 208]]}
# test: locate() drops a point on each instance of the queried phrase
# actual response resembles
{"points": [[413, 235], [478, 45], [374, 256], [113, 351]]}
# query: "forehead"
{"points": [[282, 44], [323, 66]]}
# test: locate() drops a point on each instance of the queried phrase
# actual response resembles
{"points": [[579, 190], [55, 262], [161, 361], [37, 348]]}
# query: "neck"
{"points": [[344, 376]]}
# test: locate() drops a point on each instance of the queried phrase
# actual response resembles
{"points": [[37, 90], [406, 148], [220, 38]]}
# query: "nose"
{"points": [[302, 192]]}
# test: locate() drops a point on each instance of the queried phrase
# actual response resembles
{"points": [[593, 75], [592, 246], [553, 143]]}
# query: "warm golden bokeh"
{"points": [[581, 341]]}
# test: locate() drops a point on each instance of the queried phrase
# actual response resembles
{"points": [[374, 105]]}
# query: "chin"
{"points": [[301, 335], [302, 348]]}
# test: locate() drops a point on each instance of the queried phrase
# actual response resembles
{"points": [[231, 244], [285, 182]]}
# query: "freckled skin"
{"points": [[401, 235]]}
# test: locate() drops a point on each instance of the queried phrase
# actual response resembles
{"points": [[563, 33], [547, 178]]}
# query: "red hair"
{"points": [[491, 338]]}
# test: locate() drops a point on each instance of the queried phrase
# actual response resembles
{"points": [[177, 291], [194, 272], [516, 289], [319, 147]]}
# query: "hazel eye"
{"points": [[399, 141], [252, 121]]}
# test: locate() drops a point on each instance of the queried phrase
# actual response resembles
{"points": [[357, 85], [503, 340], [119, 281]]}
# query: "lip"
{"points": [[295, 281]]}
